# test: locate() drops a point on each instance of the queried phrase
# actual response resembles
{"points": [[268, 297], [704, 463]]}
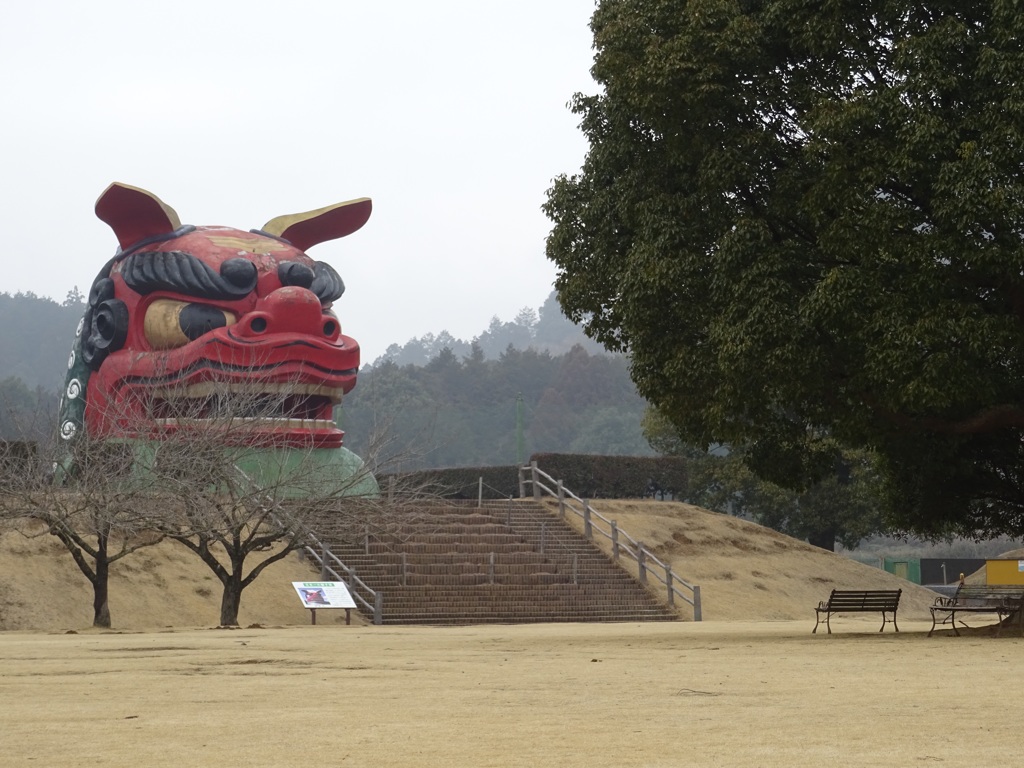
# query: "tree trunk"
{"points": [[825, 539], [230, 600], [100, 586]]}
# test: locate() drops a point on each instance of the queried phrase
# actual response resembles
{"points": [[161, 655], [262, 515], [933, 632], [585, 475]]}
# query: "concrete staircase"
{"points": [[507, 562]]}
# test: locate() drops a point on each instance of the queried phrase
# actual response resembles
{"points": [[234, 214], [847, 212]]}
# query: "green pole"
{"points": [[519, 429]]}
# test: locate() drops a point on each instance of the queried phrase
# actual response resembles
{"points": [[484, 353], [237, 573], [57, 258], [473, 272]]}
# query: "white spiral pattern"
{"points": [[74, 389], [80, 328], [71, 360], [68, 430]]}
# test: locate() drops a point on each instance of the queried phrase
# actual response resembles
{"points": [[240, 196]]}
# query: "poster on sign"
{"points": [[323, 594]]}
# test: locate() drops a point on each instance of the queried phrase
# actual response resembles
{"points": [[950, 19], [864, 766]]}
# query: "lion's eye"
{"points": [[171, 324]]}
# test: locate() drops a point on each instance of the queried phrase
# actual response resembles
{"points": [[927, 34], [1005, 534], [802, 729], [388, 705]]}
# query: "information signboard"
{"points": [[324, 594]]}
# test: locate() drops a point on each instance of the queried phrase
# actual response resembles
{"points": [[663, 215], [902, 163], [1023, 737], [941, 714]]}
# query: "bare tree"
{"points": [[240, 500], [232, 471], [89, 499]]}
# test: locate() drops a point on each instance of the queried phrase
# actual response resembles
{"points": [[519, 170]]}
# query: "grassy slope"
{"points": [[162, 586], [746, 572]]}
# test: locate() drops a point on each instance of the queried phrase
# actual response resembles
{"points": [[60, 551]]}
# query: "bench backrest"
{"points": [[988, 594], [867, 599]]}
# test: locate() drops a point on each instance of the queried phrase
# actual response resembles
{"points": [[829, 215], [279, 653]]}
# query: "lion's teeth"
{"points": [[310, 424]]}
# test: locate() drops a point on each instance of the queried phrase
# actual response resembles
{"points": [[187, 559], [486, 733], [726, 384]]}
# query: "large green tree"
{"points": [[842, 506], [804, 222]]}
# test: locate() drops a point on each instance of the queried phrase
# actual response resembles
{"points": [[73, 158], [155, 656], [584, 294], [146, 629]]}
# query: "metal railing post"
{"points": [[575, 568], [696, 604], [536, 481], [405, 569], [522, 484], [378, 609], [491, 568], [641, 557], [323, 563], [366, 540], [480, 493], [588, 529], [508, 514], [615, 541], [668, 583], [561, 501], [543, 535]]}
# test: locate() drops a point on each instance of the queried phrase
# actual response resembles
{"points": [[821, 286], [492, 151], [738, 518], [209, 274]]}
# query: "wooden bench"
{"points": [[1004, 600], [859, 601]]}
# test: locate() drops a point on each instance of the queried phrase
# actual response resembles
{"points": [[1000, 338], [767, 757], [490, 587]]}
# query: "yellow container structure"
{"points": [[1004, 571]]}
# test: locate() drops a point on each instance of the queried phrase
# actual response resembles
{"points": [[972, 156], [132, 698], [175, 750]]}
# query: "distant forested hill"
{"points": [[546, 330], [534, 384], [35, 337], [469, 411]]}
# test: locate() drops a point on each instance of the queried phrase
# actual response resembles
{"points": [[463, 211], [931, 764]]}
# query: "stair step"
{"points": [[543, 569]]}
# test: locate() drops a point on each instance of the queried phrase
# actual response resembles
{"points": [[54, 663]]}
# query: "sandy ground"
{"points": [[749, 686], [678, 694]]}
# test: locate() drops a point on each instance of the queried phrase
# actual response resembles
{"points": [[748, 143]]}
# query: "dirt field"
{"points": [[749, 686], [680, 694]]}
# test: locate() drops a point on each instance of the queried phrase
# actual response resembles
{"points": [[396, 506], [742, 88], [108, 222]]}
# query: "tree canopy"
{"points": [[842, 506], [36, 335], [804, 223]]}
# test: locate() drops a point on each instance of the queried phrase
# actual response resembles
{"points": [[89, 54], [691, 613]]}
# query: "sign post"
{"points": [[324, 594]]}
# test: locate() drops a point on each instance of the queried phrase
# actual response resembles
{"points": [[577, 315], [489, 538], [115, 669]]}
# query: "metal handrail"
{"points": [[635, 550], [323, 557]]}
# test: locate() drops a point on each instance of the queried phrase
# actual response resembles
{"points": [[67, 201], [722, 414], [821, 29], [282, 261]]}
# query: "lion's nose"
{"points": [[291, 309]]}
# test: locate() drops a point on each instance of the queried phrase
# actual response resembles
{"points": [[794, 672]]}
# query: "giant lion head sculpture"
{"points": [[183, 320]]}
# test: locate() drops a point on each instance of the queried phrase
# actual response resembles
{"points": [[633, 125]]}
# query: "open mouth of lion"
{"points": [[238, 405]]}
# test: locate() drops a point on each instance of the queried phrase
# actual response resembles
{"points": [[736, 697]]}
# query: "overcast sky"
{"points": [[450, 114]]}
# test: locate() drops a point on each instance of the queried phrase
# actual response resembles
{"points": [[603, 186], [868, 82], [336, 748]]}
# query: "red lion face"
{"points": [[187, 324]]}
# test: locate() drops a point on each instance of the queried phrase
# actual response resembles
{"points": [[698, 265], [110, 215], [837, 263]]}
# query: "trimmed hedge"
{"points": [[616, 477], [586, 475], [463, 482]]}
